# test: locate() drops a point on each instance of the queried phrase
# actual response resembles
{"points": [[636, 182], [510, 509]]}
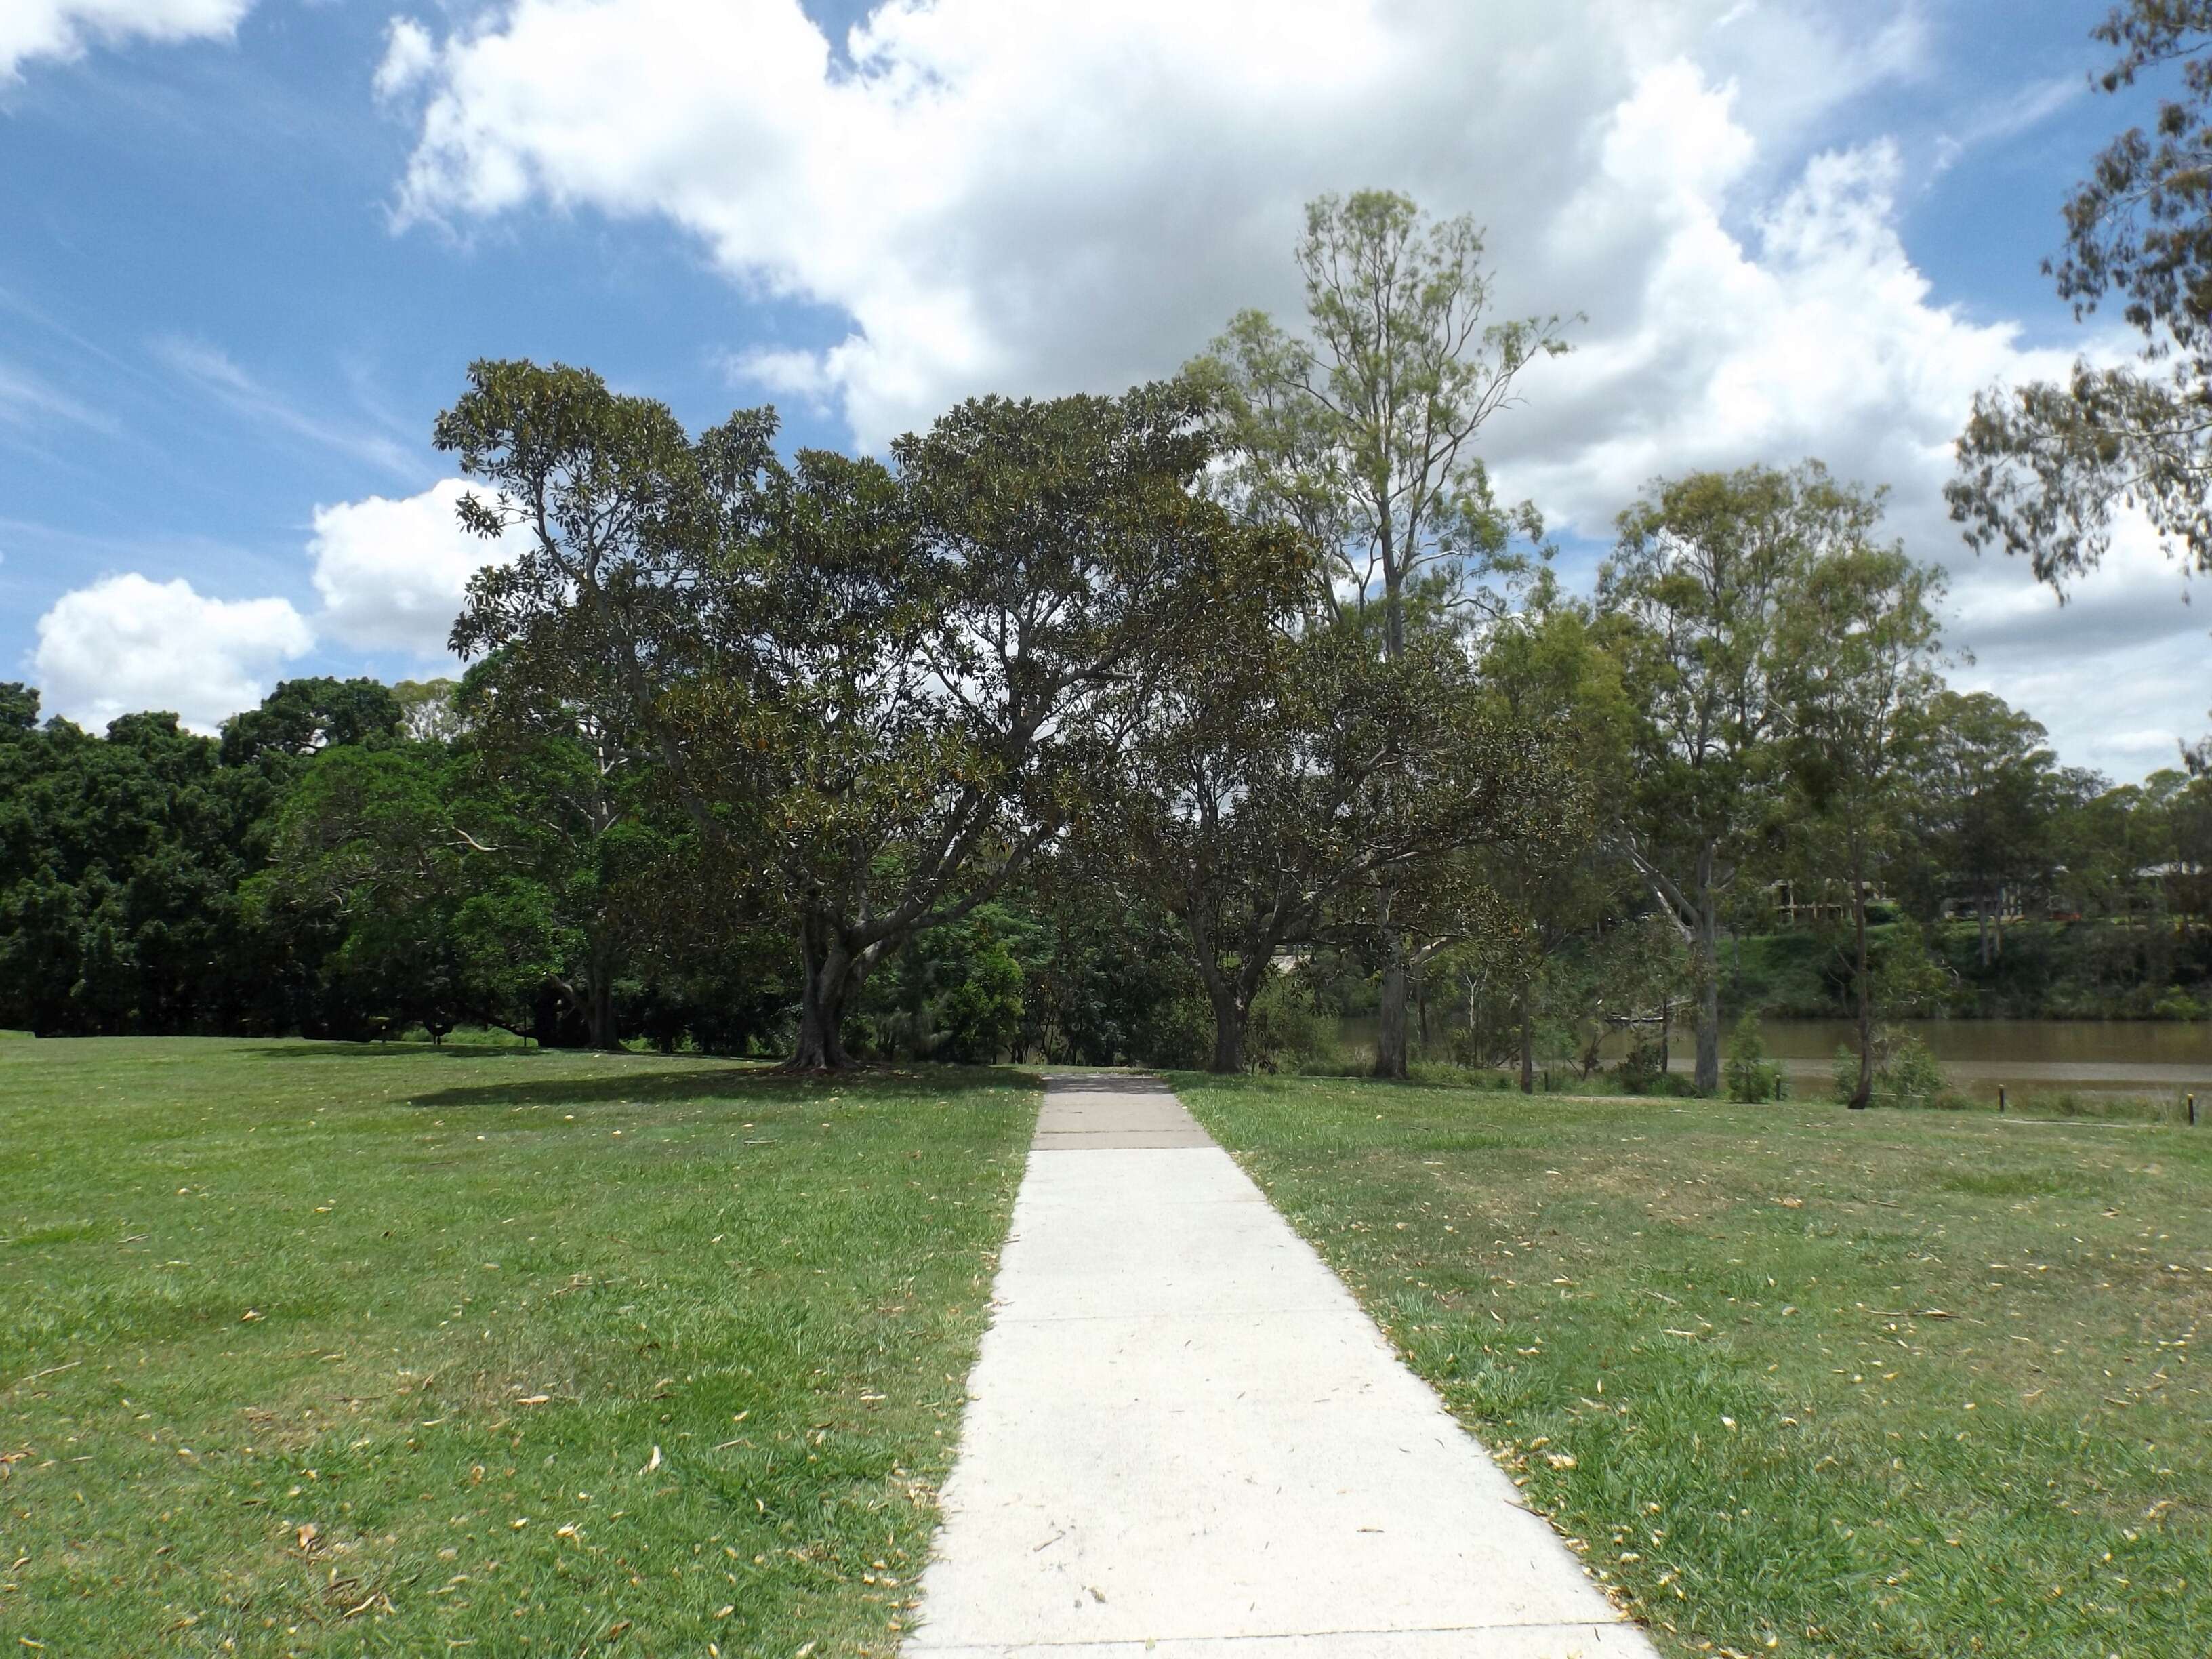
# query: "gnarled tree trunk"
{"points": [[599, 1001], [828, 976], [1695, 913], [1230, 995], [1228, 1020], [1390, 1058]]}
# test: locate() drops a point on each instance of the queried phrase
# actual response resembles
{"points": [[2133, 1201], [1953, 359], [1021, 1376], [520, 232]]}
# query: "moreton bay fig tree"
{"points": [[878, 687]]}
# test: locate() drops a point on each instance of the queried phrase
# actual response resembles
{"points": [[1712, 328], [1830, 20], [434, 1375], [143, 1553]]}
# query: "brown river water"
{"points": [[2027, 1056]]}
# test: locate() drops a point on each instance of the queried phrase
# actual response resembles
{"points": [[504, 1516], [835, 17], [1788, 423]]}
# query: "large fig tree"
{"points": [[871, 685]]}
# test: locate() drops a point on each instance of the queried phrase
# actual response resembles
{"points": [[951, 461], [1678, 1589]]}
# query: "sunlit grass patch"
{"points": [[1791, 1379], [333, 1349]]}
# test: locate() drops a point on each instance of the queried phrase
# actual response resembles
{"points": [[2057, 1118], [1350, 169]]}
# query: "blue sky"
{"points": [[223, 329], [244, 269]]}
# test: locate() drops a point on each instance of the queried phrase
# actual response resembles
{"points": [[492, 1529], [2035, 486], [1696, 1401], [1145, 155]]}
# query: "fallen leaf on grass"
{"points": [[652, 1463]]}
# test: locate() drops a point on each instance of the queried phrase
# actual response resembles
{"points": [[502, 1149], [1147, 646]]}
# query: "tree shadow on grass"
{"points": [[338, 1049], [756, 1083]]}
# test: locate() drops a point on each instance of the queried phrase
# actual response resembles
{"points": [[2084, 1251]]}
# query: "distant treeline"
{"points": [[347, 862]]}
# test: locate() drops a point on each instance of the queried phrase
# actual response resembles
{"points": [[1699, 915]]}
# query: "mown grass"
{"points": [[1795, 1380], [313, 1349]]}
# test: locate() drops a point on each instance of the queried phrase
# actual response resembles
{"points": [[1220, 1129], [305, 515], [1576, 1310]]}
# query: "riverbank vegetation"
{"points": [[1789, 1380], [309, 1348], [2109, 968]]}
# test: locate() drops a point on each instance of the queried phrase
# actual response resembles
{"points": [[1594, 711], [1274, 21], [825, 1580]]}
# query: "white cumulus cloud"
{"points": [[393, 574], [127, 643], [1008, 196], [1004, 195], [64, 28]]}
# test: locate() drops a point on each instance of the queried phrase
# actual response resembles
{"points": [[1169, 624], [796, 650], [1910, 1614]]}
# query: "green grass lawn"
{"points": [[310, 1348], [1795, 1380]]}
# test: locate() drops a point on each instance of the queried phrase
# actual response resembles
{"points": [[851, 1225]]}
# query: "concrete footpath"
{"points": [[1184, 1437]]}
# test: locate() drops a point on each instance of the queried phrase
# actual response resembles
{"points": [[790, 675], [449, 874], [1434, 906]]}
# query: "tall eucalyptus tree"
{"points": [[1704, 568], [1362, 432], [1856, 663]]}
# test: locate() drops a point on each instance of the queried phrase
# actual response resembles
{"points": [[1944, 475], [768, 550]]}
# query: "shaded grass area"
{"points": [[1795, 1380], [310, 1348]]}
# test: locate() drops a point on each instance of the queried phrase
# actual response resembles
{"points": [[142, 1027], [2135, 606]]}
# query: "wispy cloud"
{"points": [[1993, 123], [28, 401], [210, 370]]}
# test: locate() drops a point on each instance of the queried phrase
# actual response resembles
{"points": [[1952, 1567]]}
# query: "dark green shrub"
{"points": [[1910, 1076], [1642, 1070], [1905, 1074], [1178, 1035], [1751, 1077], [2177, 1003], [982, 1014], [1286, 1030]]}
